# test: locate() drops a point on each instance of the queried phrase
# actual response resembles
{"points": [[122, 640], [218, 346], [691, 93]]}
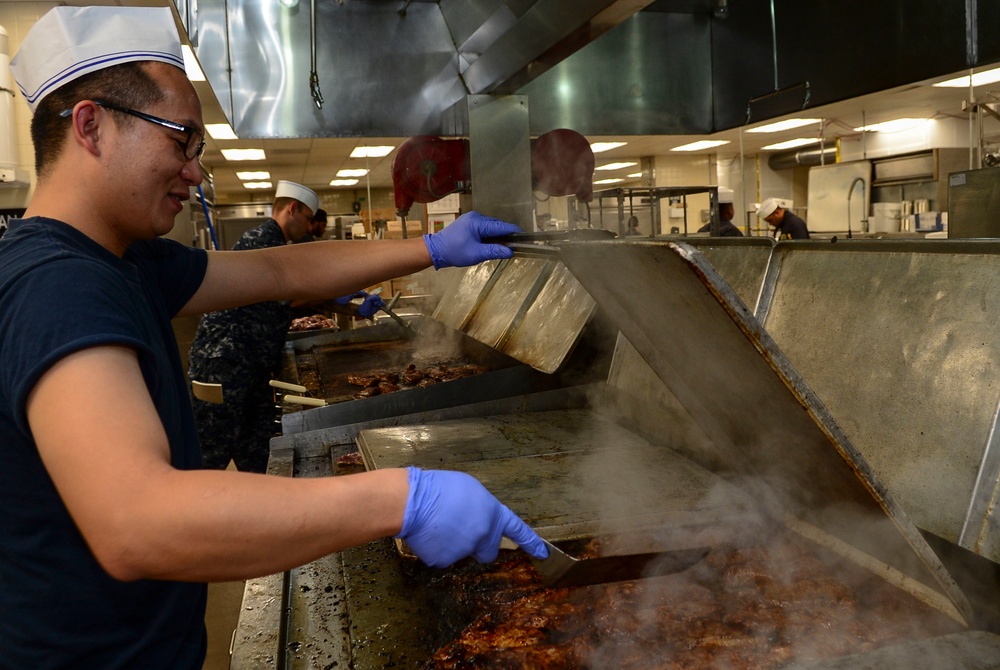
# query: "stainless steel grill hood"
{"points": [[394, 68], [385, 67]]}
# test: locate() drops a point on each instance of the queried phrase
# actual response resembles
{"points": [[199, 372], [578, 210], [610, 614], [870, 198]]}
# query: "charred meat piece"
{"points": [[387, 387], [362, 380], [411, 376], [368, 392], [353, 458]]}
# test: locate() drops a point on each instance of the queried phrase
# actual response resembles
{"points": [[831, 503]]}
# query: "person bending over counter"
{"points": [[787, 225]]}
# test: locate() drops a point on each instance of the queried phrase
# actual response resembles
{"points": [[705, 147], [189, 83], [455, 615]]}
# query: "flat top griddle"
{"points": [[568, 473], [323, 365]]}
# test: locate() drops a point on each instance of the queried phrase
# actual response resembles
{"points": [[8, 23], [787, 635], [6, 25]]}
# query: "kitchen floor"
{"points": [[221, 614], [224, 598], [224, 602]]}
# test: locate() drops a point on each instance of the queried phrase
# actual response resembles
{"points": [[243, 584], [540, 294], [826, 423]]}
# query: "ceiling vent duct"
{"points": [[803, 158]]}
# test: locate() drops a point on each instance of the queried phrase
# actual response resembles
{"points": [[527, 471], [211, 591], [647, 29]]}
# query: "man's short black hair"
{"points": [[127, 85]]}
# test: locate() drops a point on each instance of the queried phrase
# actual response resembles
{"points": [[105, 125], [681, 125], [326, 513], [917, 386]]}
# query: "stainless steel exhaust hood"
{"points": [[386, 68], [391, 68]]}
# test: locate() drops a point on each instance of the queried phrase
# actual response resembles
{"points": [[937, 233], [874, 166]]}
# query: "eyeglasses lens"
{"points": [[195, 145]]}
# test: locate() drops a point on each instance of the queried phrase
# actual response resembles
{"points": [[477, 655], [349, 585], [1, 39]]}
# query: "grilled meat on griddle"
{"points": [[314, 322], [754, 608], [382, 382]]}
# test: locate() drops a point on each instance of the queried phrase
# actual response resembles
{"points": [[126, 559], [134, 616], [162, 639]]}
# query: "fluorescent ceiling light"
{"points": [[191, 66], [244, 154], [251, 176], [607, 181], [790, 144], [978, 79], [635, 175], [220, 131], [616, 166], [360, 172], [343, 182], [787, 124], [256, 184], [598, 147], [371, 152], [700, 144], [893, 126]]}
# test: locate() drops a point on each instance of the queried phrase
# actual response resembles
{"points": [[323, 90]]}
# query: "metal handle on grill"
{"points": [[576, 235]]}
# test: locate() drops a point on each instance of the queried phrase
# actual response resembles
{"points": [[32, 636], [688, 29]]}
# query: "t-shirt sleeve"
{"points": [[73, 305], [176, 270]]}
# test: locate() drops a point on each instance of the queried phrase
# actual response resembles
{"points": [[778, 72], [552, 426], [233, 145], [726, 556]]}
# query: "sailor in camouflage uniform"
{"points": [[241, 349]]}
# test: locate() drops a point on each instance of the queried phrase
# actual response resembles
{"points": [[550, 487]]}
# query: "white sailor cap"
{"points": [[69, 42], [725, 195], [289, 189], [767, 208]]}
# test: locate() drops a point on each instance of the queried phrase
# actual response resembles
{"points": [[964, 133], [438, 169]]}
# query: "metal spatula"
{"points": [[560, 570]]}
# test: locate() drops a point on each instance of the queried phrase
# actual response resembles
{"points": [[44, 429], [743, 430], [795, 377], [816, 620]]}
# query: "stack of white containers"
{"points": [[886, 217]]}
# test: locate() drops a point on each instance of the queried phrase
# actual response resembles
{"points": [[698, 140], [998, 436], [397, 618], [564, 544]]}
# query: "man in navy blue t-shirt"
{"points": [[110, 527]]}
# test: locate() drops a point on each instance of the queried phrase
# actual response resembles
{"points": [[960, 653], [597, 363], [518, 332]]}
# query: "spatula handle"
{"points": [[507, 543]]}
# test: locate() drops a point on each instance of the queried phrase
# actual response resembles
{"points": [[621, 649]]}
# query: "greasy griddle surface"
{"points": [[768, 600], [760, 606], [324, 369]]}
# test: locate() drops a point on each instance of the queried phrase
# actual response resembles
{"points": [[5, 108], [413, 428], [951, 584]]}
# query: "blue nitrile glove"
{"points": [[450, 515], [459, 244], [369, 307]]}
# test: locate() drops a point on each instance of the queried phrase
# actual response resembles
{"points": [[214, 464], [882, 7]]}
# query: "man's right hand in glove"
{"points": [[450, 515], [460, 243]]}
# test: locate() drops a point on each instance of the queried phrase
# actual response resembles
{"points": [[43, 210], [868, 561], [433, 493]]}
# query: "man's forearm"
{"points": [[303, 272], [220, 526]]}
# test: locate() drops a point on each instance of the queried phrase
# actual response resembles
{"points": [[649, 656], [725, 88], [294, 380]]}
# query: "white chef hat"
{"points": [[289, 189], [69, 42], [767, 208], [725, 195]]}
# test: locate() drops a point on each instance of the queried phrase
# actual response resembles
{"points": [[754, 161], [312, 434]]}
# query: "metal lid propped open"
{"points": [[529, 307], [768, 428]]}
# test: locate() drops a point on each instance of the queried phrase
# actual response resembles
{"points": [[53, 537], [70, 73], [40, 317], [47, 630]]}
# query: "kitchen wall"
{"points": [[951, 132], [18, 18], [683, 170]]}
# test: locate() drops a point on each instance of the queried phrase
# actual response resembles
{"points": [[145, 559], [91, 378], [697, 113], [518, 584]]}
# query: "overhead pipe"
{"points": [[802, 158]]}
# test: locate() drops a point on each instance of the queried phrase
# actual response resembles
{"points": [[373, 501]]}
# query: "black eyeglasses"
{"points": [[192, 147]]}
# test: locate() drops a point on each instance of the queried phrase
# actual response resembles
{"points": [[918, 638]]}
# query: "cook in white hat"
{"points": [[293, 209], [726, 228], [111, 525], [787, 225]]}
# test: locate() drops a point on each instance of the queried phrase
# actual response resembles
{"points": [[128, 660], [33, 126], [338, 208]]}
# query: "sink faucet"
{"points": [[864, 215]]}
